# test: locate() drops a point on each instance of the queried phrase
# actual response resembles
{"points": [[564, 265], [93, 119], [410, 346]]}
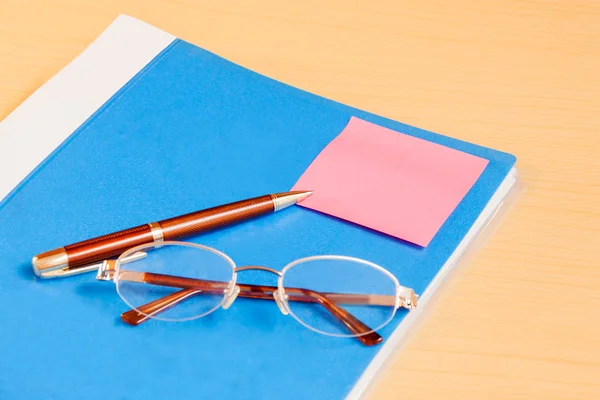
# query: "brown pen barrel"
{"points": [[216, 217], [111, 245], [114, 244]]}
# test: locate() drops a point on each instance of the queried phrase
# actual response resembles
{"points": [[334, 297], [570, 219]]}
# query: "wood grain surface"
{"points": [[522, 319]]}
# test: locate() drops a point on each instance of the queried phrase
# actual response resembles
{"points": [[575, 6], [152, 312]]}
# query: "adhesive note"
{"points": [[388, 181]]}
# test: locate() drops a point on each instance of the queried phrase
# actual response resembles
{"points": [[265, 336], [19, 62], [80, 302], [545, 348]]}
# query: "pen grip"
{"points": [[216, 217], [106, 246]]}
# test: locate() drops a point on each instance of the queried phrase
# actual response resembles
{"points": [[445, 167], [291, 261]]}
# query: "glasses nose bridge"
{"points": [[258, 268], [235, 290]]}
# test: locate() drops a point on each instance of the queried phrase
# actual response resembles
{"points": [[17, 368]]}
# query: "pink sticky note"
{"points": [[388, 181]]}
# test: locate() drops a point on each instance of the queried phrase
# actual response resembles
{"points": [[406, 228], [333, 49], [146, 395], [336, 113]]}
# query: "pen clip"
{"points": [[66, 271]]}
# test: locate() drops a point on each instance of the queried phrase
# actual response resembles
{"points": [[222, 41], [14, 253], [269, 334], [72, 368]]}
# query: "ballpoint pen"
{"points": [[88, 255]]}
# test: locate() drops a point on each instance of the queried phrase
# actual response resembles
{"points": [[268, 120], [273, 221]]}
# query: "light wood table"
{"points": [[522, 319]]}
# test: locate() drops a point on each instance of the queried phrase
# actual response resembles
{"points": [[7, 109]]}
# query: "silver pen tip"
{"points": [[284, 200]]}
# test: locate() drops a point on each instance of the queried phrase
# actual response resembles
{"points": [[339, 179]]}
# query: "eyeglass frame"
{"points": [[110, 270]]}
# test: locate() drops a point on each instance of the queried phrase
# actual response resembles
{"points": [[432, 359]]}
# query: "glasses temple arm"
{"points": [[135, 317], [148, 310], [194, 286], [366, 335], [254, 291]]}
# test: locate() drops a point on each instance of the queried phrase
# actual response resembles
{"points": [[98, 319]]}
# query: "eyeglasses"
{"points": [[332, 295]]}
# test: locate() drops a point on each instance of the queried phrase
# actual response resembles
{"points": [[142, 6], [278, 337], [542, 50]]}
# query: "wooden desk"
{"points": [[522, 320]]}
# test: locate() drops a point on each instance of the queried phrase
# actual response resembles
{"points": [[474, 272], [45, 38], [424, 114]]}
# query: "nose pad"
{"points": [[280, 302], [228, 301]]}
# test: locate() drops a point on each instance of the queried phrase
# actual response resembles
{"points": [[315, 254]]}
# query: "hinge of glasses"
{"points": [[106, 272], [407, 298], [107, 269]]}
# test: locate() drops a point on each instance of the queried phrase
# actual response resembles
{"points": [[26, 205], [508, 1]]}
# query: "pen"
{"points": [[88, 255]]}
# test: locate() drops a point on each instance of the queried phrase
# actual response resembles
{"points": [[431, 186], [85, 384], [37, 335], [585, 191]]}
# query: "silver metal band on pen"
{"points": [[157, 232]]}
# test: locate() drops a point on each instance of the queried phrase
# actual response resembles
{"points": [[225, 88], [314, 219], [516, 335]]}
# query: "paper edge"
{"points": [[399, 337], [55, 110]]}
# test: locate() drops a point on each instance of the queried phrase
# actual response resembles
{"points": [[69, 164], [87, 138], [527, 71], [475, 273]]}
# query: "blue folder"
{"points": [[189, 131]]}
